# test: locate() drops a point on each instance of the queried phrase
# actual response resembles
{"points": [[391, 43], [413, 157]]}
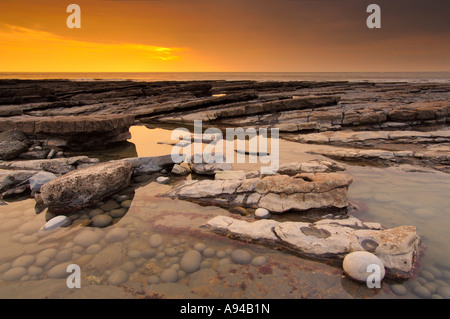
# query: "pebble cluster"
{"points": [[116, 255]]}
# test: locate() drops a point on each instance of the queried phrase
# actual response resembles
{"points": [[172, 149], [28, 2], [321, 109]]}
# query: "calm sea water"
{"points": [[256, 76]]}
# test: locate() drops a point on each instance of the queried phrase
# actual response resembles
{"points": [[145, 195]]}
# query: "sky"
{"points": [[224, 36]]}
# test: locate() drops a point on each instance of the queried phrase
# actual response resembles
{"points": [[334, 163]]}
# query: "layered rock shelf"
{"points": [[397, 247]]}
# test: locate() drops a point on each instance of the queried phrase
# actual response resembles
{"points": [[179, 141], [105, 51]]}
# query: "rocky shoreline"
{"points": [[377, 123]]}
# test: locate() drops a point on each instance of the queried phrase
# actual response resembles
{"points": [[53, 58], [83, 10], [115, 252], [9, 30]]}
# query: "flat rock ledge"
{"points": [[329, 239], [277, 193]]}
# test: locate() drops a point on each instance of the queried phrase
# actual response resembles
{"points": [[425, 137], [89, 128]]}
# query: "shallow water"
{"points": [[32, 262]]}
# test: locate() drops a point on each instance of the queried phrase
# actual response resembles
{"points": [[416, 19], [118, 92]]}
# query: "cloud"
{"points": [[11, 35]]}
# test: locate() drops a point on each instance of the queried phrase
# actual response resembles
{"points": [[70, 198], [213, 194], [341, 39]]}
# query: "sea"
{"points": [[442, 77]]}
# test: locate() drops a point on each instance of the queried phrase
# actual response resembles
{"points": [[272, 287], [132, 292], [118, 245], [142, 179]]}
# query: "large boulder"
{"points": [[12, 144], [86, 186]]}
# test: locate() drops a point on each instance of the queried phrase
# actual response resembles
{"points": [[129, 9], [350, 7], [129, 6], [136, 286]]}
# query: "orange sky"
{"points": [[224, 36]]}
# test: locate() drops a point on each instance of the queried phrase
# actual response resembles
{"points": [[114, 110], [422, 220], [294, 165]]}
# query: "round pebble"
{"points": [[134, 254], [116, 234], [436, 272], [205, 264], [58, 271], [171, 252], [152, 280], [30, 227], [28, 239], [427, 275], [169, 275], [262, 213], [200, 247], [175, 267], [23, 261], [95, 212], [436, 296], [259, 261], [399, 290], [240, 256], [109, 205], [422, 292], [42, 261], [4, 267], [121, 198], [190, 261], [86, 238], [441, 283], [14, 274], [162, 180], [126, 203], [63, 255], [356, 264], [221, 254], [444, 292], [35, 271], [155, 240], [118, 213], [148, 253], [224, 261], [431, 286], [93, 249], [209, 252], [101, 220], [129, 267], [56, 222], [118, 277]]}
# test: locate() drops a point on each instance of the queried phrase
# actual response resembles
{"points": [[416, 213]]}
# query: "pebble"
{"points": [[259, 261], [49, 252], [422, 292], [93, 249], [149, 253], [152, 280], [262, 213], [86, 238], [101, 220], [63, 255], [441, 283], [134, 254], [436, 296], [109, 205], [129, 267], [240, 256], [163, 180], [356, 263], [427, 275], [175, 267], [160, 255], [126, 203], [224, 261], [4, 267], [200, 247], [118, 277], [431, 286], [423, 213], [28, 239], [14, 274], [95, 212], [30, 228], [436, 272], [205, 264], [42, 261], [444, 292], [221, 254], [399, 290], [116, 234], [58, 271], [56, 222], [35, 271], [23, 261], [155, 240], [190, 262], [209, 252], [121, 198], [169, 275], [118, 213]]}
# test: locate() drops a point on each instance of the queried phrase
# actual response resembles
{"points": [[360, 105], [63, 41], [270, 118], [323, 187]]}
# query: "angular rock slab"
{"points": [[278, 193], [397, 247], [86, 186]]}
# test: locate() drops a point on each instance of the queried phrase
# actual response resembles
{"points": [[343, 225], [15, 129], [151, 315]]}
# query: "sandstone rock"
{"points": [[229, 175], [39, 179], [180, 170], [11, 149], [13, 178], [397, 248], [56, 166], [86, 186], [147, 165]]}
